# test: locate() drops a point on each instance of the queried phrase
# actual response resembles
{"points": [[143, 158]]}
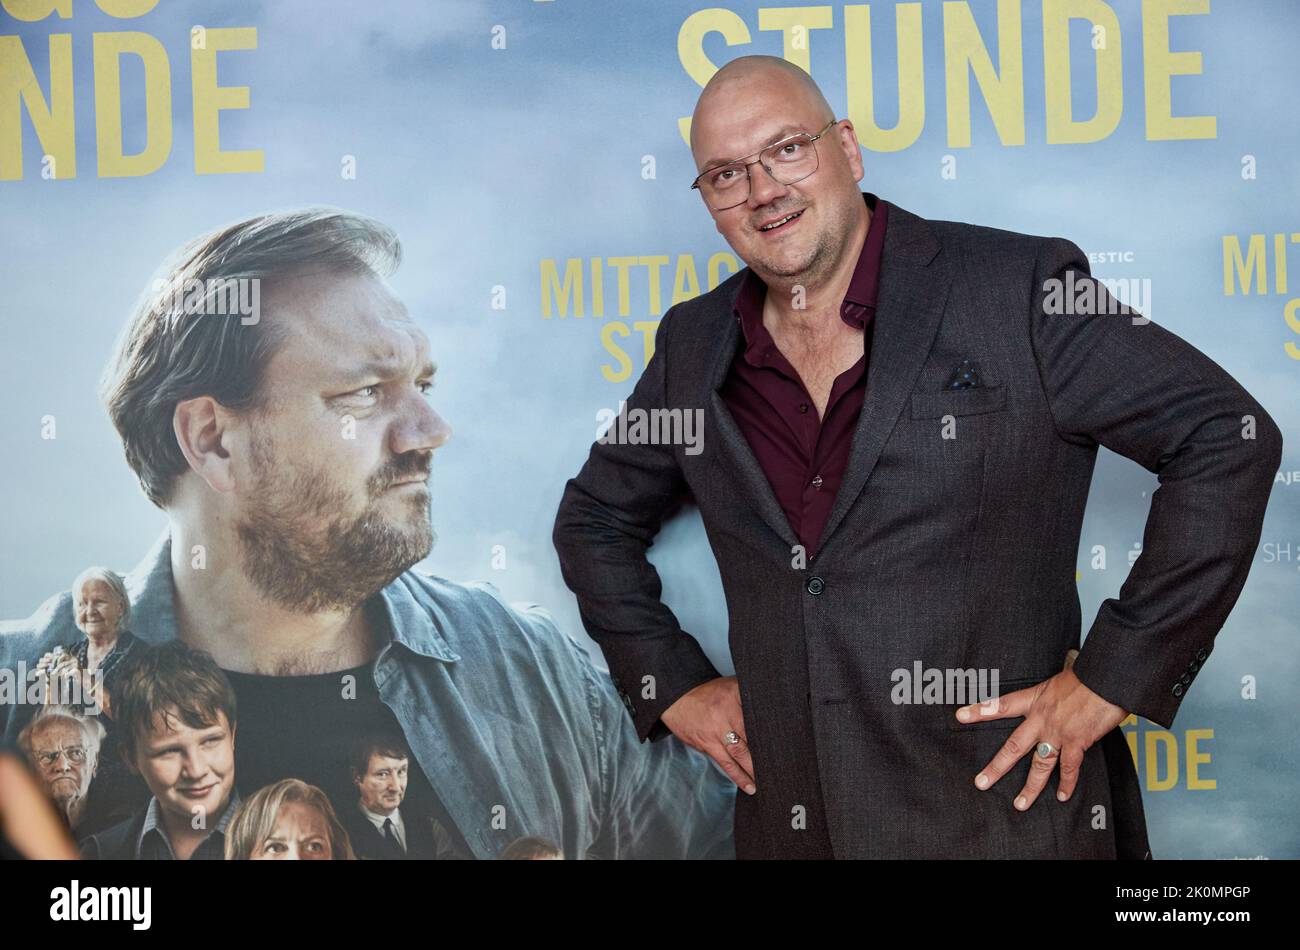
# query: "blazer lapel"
{"points": [[734, 452], [914, 285]]}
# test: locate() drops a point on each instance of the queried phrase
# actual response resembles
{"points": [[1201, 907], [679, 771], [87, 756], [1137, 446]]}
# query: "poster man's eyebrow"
{"points": [[387, 369]]}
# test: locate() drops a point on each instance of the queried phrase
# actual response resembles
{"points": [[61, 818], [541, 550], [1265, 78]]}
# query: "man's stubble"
{"points": [[816, 265], [301, 549]]}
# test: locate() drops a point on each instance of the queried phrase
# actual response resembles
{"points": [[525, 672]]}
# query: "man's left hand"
{"points": [[1060, 711]]}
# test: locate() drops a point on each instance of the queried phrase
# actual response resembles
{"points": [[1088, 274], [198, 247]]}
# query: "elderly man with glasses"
{"points": [[900, 428], [63, 746]]}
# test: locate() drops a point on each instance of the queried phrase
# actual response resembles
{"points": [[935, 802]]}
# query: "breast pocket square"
{"points": [[966, 375], [969, 397]]}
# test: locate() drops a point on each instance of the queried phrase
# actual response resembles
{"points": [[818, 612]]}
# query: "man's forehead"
{"points": [[59, 731], [739, 134], [345, 320], [751, 109]]}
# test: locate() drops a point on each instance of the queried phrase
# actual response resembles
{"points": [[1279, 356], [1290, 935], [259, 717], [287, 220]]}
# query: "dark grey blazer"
{"points": [[955, 552]]}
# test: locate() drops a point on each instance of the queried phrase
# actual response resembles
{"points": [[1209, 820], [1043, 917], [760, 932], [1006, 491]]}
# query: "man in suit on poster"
{"points": [[901, 421], [379, 767]]}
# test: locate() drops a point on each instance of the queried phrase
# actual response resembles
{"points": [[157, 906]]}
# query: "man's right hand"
{"points": [[702, 718]]}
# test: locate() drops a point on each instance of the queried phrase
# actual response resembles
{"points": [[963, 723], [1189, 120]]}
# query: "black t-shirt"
{"points": [[303, 727]]}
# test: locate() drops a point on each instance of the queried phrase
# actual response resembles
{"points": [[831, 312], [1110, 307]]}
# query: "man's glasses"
{"points": [[76, 755], [790, 160]]}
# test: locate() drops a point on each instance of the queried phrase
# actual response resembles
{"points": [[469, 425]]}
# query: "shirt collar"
{"points": [[228, 815], [866, 275], [415, 619], [378, 820], [153, 822], [863, 286]]}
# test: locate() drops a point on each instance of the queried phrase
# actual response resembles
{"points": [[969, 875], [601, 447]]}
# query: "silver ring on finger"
{"points": [[732, 738], [1046, 750]]}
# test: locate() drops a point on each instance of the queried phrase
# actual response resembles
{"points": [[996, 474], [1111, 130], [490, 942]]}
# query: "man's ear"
{"points": [[201, 428], [847, 139]]}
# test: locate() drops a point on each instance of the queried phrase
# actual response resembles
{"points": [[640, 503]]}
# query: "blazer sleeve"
{"points": [[1145, 393], [607, 520]]}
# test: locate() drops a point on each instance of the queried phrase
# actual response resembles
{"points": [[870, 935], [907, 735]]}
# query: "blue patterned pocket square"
{"points": [[965, 376]]}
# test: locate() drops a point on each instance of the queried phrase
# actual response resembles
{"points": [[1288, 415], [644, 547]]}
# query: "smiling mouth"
{"points": [[197, 792], [777, 225]]}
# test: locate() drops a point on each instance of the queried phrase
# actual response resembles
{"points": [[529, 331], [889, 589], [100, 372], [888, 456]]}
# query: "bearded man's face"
{"points": [[334, 496]]}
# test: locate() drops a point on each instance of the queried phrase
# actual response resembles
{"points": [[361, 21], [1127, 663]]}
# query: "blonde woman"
{"points": [[287, 821]]}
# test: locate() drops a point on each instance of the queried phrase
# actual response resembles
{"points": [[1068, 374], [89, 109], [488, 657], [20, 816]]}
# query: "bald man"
{"points": [[901, 418]]}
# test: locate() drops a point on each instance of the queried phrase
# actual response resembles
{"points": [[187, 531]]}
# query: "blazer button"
{"points": [[816, 585], [1193, 666], [1200, 656], [1185, 679], [1178, 689]]}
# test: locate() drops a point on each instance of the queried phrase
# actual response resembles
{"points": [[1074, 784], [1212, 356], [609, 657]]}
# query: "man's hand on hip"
{"points": [[1062, 718], [709, 719]]}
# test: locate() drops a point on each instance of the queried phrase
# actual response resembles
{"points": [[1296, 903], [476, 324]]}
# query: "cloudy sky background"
{"points": [[487, 161]]}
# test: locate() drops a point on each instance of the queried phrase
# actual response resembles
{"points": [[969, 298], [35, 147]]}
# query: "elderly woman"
{"points": [[64, 746], [287, 821], [101, 608]]}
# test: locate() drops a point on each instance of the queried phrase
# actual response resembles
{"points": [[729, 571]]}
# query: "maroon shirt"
{"points": [[803, 458]]}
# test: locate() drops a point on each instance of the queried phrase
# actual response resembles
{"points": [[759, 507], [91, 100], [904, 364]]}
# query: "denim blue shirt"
{"points": [[517, 731]]}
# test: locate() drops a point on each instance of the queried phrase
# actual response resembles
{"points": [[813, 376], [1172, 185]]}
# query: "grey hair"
{"points": [[91, 729], [168, 352], [115, 583]]}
